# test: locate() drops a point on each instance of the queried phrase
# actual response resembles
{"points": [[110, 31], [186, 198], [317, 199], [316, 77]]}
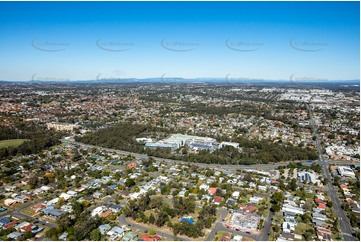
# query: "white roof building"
{"points": [[308, 177], [345, 171], [235, 195], [9, 202], [292, 209], [255, 199], [98, 211], [204, 186]]}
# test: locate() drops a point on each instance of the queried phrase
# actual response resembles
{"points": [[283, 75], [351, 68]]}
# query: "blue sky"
{"points": [[250, 40]]}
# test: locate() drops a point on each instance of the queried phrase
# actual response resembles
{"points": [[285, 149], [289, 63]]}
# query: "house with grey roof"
{"points": [[14, 235], [104, 228], [115, 233]]}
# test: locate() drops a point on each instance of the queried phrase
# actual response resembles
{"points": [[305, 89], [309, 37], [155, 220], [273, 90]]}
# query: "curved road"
{"points": [[123, 221], [17, 213], [201, 165]]}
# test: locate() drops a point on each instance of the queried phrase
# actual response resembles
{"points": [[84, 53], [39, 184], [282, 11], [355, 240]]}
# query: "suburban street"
{"points": [[344, 224], [17, 213], [123, 220], [266, 227], [220, 227], [343, 221], [217, 228]]}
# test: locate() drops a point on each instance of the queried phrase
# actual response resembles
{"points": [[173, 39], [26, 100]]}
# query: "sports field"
{"points": [[11, 142]]}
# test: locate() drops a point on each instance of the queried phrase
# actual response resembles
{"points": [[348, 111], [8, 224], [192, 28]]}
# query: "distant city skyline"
{"points": [[60, 41]]}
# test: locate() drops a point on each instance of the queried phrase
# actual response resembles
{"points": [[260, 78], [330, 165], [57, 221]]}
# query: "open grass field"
{"points": [[11, 143]]}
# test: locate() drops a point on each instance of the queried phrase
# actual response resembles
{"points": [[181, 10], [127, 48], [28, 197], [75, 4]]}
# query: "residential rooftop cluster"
{"points": [[204, 162]]}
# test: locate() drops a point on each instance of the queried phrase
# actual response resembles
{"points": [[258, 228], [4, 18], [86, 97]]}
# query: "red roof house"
{"points": [[147, 237], [212, 190]]}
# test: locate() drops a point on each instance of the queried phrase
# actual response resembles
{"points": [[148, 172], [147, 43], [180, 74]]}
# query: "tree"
{"points": [[64, 222], [95, 235], [162, 219], [143, 202], [156, 202], [275, 208], [277, 197], [276, 228], [129, 182], [329, 203], [165, 190], [34, 181], [78, 208], [53, 232], [219, 192], [293, 184], [151, 218], [208, 222], [84, 225], [28, 235]]}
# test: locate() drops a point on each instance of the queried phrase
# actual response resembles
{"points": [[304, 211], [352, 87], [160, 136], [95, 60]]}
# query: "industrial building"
{"points": [[176, 141]]}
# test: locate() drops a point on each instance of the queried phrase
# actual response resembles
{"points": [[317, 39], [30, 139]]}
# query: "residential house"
{"points": [[212, 191], [130, 236], [115, 233], [217, 200], [188, 219], [14, 235], [147, 237], [63, 236], [115, 208], [104, 228], [235, 195]]}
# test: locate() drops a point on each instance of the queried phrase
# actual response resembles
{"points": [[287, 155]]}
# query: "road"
{"points": [[344, 225], [343, 221], [217, 228], [266, 227], [17, 213], [220, 227], [201, 165], [122, 220]]}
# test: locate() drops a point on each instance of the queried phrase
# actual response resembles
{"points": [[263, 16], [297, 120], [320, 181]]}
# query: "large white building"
{"points": [[345, 171], [292, 209], [308, 177], [176, 141], [233, 144], [61, 126]]}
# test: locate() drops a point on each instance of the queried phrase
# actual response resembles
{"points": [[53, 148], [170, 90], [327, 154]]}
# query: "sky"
{"points": [[238, 40]]}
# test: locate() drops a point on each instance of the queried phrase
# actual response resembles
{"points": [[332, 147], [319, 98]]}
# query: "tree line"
{"points": [[39, 138], [122, 136], [162, 213]]}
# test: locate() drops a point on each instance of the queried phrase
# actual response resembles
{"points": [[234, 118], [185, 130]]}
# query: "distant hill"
{"points": [[333, 84]]}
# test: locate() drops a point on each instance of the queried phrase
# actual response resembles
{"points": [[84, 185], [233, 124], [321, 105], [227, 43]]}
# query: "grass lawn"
{"points": [[11, 143], [29, 211], [302, 227], [220, 234]]}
